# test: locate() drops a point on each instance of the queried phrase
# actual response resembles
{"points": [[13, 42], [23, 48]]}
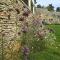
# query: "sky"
{"points": [[55, 3]]}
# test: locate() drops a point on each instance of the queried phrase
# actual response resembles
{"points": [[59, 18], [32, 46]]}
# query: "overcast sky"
{"points": [[55, 3]]}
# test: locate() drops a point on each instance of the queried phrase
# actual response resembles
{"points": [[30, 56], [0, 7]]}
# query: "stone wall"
{"points": [[12, 15]]}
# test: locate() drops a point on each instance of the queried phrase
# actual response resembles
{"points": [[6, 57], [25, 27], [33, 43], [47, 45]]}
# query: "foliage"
{"points": [[50, 7], [36, 38], [35, 1], [58, 9], [50, 40], [39, 6]]}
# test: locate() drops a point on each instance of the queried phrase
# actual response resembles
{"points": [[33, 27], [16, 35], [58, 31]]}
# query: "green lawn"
{"points": [[45, 55], [50, 53], [56, 29]]}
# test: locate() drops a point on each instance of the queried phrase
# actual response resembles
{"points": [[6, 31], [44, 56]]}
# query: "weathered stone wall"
{"points": [[10, 13]]}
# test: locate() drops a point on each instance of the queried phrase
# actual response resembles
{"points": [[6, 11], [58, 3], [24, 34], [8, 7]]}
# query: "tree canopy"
{"points": [[50, 7], [58, 9], [39, 6]]}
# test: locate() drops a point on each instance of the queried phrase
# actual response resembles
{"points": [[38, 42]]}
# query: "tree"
{"points": [[50, 7], [35, 1], [58, 9], [39, 6]]}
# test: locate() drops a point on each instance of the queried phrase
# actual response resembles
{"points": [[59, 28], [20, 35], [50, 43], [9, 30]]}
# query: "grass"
{"points": [[50, 53], [56, 29], [45, 55]]}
